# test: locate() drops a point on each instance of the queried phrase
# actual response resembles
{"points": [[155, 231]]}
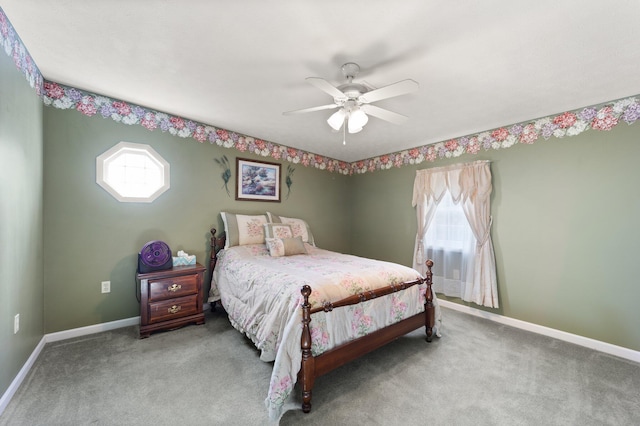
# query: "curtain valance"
{"points": [[468, 180]]}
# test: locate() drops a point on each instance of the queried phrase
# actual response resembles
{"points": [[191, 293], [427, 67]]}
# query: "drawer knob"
{"points": [[174, 309], [174, 287]]}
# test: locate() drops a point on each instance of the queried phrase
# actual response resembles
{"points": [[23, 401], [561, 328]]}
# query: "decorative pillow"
{"points": [[299, 227], [277, 230], [285, 246], [243, 229], [275, 246]]}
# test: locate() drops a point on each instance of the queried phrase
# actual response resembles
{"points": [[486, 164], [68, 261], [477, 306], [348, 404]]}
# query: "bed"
{"points": [[307, 309]]}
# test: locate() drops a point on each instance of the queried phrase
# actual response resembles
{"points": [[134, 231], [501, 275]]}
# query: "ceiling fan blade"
{"points": [[396, 89], [384, 114], [327, 87], [312, 109]]}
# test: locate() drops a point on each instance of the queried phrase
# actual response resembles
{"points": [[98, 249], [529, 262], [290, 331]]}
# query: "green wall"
{"points": [[565, 229], [20, 220], [90, 237]]}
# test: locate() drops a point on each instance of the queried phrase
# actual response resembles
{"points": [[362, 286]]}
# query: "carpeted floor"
{"points": [[478, 373]]}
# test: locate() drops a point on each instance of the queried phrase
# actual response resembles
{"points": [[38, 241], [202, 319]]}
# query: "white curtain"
{"points": [[469, 184], [450, 243]]}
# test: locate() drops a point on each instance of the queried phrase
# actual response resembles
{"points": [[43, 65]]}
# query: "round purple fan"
{"points": [[155, 254]]}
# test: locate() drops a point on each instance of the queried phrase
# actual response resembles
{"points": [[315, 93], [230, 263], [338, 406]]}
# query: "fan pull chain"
{"points": [[344, 132]]}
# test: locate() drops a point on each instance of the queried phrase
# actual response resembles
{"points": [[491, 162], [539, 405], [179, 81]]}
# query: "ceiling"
{"points": [[238, 65]]}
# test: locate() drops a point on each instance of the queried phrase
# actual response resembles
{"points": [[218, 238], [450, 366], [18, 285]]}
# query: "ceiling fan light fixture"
{"points": [[353, 129], [337, 119], [354, 100], [357, 120]]}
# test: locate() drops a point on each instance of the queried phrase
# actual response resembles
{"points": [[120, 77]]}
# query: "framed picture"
{"points": [[257, 180]]}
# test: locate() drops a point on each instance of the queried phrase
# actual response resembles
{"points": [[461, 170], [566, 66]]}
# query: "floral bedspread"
{"points": [[261, 295]]}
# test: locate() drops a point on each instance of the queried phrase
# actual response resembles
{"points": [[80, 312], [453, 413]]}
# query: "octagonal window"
{"points": [[132, 172]]}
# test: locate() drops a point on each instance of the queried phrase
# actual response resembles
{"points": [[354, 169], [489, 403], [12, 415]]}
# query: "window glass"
{"points": [[450, 243], [132, 172], [449, 228]]}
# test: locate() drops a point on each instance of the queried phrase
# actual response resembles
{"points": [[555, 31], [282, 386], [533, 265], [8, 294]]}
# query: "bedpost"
{"points": [[429, 309], [217, 244], [214, 250], [307, 368]]}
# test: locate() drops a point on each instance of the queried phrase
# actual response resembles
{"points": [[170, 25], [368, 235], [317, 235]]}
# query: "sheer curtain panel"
{"points": [[470, 186]]}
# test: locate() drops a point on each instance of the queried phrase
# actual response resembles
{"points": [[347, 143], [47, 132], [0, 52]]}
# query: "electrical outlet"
{"points": [[16, 323], [106, 286]]}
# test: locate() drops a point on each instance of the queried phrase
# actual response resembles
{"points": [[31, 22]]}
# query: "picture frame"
{"points": [[257, 180]]}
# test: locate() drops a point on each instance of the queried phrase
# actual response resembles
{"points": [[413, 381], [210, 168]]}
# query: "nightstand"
{"points": [[170, 298]]}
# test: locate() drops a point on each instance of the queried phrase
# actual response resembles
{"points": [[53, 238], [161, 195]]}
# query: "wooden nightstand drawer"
{"points": [[172, 308], [170, 298], [171, 288]]}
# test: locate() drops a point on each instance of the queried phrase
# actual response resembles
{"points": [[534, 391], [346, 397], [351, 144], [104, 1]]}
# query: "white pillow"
{"points": [[299, 227], [243, 229]]}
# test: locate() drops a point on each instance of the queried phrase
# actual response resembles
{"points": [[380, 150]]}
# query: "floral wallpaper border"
{"points": [[603, 117], [570, 123], [63, 97], [15, 49]]}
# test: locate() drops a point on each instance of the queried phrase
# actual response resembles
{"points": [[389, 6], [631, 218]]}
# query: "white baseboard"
{"points": [[597, 345], [91, 329], [17, 381], [54, 337]]}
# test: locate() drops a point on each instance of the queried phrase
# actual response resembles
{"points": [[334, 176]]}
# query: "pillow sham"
{"points": [[279, 247], [277, 230], [299, 227], [243, 229]]}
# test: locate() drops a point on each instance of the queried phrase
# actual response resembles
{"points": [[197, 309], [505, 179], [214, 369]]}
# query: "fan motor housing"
{"points": [[353, 90]]}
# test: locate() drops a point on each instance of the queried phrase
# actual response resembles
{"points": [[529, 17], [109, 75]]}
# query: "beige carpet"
{"points": [[478, 373]]}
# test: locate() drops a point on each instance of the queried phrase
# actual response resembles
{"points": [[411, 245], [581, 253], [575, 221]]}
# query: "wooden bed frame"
{"points": [[316, 366]]}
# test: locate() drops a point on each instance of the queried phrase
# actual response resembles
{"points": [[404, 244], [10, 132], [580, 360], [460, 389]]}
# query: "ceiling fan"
{"points": [[354, 100]]}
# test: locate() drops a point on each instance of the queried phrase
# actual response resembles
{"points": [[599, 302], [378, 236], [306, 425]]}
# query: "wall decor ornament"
{"points": [[226, 172], [257, 180], [288, 179]]}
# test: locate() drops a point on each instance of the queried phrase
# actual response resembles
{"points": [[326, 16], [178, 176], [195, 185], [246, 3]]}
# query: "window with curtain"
{"points": [[464, 262], [450, 243]]}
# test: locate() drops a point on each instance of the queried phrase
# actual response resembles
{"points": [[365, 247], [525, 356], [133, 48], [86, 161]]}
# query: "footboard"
{"points": [[313, 367]]}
